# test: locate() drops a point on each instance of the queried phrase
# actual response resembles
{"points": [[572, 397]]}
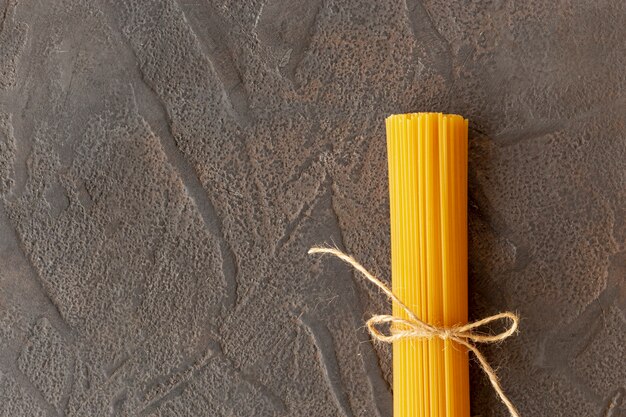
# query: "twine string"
{"points": [[414, 328]]}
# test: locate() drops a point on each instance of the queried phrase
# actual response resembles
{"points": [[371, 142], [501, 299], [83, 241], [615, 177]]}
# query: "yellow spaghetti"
{"points": [[427, 155]]}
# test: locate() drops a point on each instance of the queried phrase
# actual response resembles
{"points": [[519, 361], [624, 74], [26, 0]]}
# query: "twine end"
{"points": [[319, 249]]}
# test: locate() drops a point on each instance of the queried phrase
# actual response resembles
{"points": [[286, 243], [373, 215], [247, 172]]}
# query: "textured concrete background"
{"points": [[166, 164]]}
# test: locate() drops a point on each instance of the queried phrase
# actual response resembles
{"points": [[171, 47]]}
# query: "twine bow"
{"points": [[414, 328]]}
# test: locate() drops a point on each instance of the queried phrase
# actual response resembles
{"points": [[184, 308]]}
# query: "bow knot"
{"points": [[412, 327]]}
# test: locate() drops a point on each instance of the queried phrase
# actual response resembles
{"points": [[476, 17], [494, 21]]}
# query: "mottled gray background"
{"points": [[166, 164]]}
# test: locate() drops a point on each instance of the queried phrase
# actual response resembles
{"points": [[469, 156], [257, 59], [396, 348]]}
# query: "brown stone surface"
{"points": [[164, 165]]}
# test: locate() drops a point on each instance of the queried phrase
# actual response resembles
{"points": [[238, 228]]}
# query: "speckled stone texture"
{"points": [[164, 166]]}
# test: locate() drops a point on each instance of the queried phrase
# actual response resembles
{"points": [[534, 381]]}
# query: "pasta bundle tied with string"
{"points": [[429, 330]]}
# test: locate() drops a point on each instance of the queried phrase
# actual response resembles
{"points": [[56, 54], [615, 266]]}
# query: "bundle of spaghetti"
{"points": [[427, 154]]}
